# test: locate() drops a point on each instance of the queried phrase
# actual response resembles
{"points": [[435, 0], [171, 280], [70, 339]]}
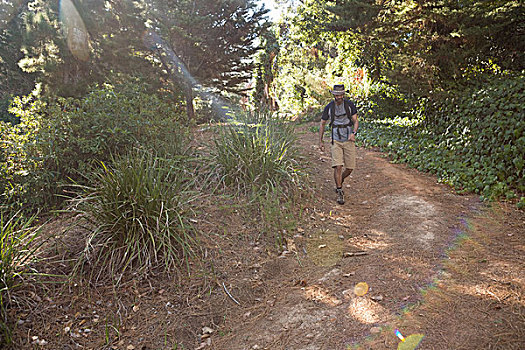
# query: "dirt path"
{"points": [[436, 264]]}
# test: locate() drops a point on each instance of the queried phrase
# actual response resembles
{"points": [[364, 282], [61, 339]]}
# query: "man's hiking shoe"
{"points": [[340, 196]]}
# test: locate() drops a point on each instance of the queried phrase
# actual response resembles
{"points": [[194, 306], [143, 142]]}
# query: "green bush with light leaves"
{"points": [[58, 139], [473, 139]]}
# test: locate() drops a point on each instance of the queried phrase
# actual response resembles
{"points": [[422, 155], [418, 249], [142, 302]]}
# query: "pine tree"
{"points": [[214, 40]]}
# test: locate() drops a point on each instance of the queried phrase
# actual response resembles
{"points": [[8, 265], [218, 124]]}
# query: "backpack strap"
{"points": [[331, 108], [348, 112]]}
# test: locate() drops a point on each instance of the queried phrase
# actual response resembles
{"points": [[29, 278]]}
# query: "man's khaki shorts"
{"points": [[343, 153]]}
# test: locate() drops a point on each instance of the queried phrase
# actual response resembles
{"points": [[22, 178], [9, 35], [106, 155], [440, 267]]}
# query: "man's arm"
{"points": [[324, 120], [355, 122], [321, 134]]}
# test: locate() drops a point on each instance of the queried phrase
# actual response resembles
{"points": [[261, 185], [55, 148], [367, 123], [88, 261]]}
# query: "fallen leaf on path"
{"points": [[375, 330], [207, 330]]}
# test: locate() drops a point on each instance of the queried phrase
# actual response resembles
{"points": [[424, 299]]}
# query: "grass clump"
{"points": [[138, 215], [256, 154], [16, 252]]}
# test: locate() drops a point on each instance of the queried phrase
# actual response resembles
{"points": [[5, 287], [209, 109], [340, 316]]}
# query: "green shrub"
{"points": [[16, 237], [138, 214], [473, 140], [60, 138], [17, 163], [256, 154]]}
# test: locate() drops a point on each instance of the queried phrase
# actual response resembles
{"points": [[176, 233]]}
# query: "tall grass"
{"points": [[256, 154], [16, 252], [278, 216], [137, 211]]}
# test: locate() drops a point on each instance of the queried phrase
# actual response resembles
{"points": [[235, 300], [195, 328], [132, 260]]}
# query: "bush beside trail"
{"points": [[59, 139], [473, 140]]}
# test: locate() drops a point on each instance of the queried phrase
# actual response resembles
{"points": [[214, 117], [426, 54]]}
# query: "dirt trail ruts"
{"points": [[426, 254]]}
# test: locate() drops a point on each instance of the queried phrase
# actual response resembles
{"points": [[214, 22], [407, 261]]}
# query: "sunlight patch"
{"points": [[488, 291], [366, 311], [374, 240], [411, 218], [318, 293]]}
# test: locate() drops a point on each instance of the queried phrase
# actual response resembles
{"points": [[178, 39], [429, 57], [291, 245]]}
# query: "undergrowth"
{"points": [[472, 141], [256, 153], [137, 210], [16, 254]]}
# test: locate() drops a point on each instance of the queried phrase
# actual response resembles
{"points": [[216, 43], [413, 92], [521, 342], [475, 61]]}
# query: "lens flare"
{"points": [[411, 342], [399, 335], [154, 42], [74, 30], [361, 289]]}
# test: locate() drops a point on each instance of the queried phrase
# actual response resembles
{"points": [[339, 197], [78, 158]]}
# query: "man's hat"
{"points": [[339, 89]]}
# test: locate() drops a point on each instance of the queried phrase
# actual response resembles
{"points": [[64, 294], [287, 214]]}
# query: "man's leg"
{"points": [[338, 176], [345, 174], [349, 159], [337, 164]]}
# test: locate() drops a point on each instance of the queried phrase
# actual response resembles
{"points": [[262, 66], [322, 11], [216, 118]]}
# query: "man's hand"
{"points": [[321, 146], [351, 137]]}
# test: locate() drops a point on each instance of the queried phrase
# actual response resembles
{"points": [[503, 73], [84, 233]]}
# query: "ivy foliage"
{"points": [[473, 139]]}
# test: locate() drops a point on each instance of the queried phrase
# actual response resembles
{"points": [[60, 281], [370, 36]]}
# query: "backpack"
{"points": [[332, 118]]}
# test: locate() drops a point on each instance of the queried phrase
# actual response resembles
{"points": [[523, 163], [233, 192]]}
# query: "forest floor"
{"points": [[404, 252]]}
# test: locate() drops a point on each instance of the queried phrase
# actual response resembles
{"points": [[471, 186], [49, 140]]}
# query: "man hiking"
{"points": [[344, 124]]}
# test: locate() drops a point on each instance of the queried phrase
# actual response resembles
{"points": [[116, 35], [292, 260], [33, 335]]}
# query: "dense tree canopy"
{"points": [[13, 81], [70, 44], [421, 44]]}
